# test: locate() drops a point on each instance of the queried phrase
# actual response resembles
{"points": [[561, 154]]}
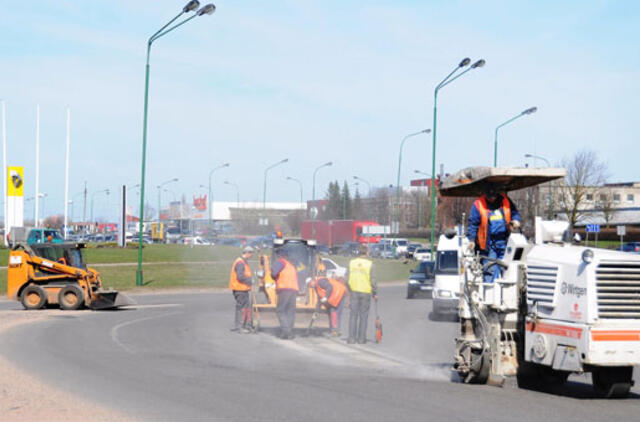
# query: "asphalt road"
{"points": [[174, 358]]}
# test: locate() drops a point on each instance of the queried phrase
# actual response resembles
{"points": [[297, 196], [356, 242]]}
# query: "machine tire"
{"points": [[71, 297], [612, 382], [33, 297], [410, 294]]}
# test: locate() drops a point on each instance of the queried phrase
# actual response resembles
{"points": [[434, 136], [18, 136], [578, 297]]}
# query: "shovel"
{"points": [[378, 324]]}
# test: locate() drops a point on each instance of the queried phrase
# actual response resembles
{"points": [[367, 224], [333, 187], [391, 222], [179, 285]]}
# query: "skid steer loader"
{"points": [[55, 274], [556, 308], [302, 255]]}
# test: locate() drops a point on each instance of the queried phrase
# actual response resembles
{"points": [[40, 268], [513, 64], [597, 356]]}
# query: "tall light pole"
{"points": [[191, 6], [313, 198], [209, 198], [299, 183], [423, 173], [160, 186], [495, 139], [397, 219], [226, 182], [93, 195], [366, 182], [264, 188], [550, 199], [446, 81]]}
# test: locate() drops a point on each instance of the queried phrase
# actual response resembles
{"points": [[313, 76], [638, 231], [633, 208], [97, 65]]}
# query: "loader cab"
{"points": [[37, 236], [65, 253], [302, 255]]}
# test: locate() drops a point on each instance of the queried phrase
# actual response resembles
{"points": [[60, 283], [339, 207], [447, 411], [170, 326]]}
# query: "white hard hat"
{"points": [[247, 249]]}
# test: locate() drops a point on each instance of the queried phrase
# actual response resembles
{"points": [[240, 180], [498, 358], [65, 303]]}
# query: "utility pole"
{"points": [[84, 203]]}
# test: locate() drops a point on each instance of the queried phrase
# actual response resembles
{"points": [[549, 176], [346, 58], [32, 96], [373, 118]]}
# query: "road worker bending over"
{"points": [[331, 295], [240, 284]]}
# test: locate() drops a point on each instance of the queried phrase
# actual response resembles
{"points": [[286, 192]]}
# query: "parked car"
{"points": [[422, 254], [349, 249], [195, 240], [381, 250], [411, 249], [323, 249], [631, 247], [421, 279], [44, 236], [334, 270]]}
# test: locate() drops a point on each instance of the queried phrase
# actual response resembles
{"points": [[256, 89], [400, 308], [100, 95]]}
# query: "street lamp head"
{"points": [[530, 110], [285, 160], [225, 165], [330, 163], [528, 155], [426, 131], [207, 10], [191, 6], [479, 63], [465, 62]]}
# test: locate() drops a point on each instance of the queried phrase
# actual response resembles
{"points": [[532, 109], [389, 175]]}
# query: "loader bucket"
{"points": [[110, 299]]}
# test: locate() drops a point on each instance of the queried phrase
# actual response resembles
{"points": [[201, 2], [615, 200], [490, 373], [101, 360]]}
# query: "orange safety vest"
{"points": [[234, 284], [483, 209], [288, 277], [337, 292]]}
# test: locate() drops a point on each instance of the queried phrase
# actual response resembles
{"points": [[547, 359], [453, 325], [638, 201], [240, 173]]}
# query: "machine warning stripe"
{"points": [[555, 330], [615, 335]]}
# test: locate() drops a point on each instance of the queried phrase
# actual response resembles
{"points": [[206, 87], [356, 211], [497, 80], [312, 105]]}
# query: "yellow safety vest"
{"points": [[360, 275]]}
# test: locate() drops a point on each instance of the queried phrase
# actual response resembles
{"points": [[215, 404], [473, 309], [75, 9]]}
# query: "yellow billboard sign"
{"points": [[15, 181]]}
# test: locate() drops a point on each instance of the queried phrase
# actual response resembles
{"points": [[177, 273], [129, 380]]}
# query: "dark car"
{"points": [[323, 249], [349, 249], [421, 279], [631, 247], [412, 248]]}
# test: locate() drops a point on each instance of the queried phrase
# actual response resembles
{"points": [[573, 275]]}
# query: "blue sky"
{"points": [[339, 81]]}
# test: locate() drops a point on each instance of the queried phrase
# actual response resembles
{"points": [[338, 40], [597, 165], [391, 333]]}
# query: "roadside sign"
{"points": [[593, 228], [375, 230], [622, 230]]}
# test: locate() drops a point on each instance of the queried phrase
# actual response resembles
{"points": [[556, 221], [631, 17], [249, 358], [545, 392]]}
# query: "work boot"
{"points": [[235, 329], [351, 341], [245, 330], [362, 341]]}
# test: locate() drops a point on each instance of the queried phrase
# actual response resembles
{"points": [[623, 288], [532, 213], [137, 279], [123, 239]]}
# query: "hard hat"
{"points": [[247, 249]]}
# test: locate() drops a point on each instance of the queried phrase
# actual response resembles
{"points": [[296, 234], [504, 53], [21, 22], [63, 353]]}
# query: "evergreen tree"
{"points": [[346, 202], [334, 202], [358, 207]]}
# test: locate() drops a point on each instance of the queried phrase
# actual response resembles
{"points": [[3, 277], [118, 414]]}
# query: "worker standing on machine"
{"points": [[240, 284], [362, 286], [493, 216], [286, 278], [331, 294]]}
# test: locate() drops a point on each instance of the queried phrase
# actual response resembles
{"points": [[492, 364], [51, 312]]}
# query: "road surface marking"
{"points": [[114, 330]]}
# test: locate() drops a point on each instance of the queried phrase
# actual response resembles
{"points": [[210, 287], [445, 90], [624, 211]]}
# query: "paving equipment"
{"points": [[302, 255], [556, 309], [55, 274]]}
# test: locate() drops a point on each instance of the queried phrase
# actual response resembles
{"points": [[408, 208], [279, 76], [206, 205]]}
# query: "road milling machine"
{"points": [[556, 309], [55, 274], [303, 256]]}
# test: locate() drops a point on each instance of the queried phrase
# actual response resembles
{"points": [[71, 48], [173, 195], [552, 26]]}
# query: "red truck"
{"points": [[337, 232]]}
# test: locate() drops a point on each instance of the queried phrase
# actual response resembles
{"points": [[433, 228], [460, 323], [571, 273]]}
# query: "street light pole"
{"points": [[495, 139], [446, 81], [93, 195], [191, 6], [264, 189], [313, 198], [397, 219], [370, 207], [160, 194], [299, 183], [226, 182], [550, 199], [210, 199]]}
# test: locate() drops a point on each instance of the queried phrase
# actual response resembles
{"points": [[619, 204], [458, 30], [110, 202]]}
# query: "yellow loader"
{"points": [[55, 274]]}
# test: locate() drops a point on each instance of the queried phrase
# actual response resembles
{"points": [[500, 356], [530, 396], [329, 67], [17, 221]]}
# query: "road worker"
{"points": [[362, 286], [331, 295], [286, 278], [493, 216], [240, 284]]}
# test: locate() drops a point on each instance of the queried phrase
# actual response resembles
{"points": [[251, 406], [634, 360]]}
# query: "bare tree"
{"points": [[585, 174], [606, 206]]}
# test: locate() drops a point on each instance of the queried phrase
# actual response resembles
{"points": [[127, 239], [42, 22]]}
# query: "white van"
{"points": [[400, 245], [448, 270]]}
